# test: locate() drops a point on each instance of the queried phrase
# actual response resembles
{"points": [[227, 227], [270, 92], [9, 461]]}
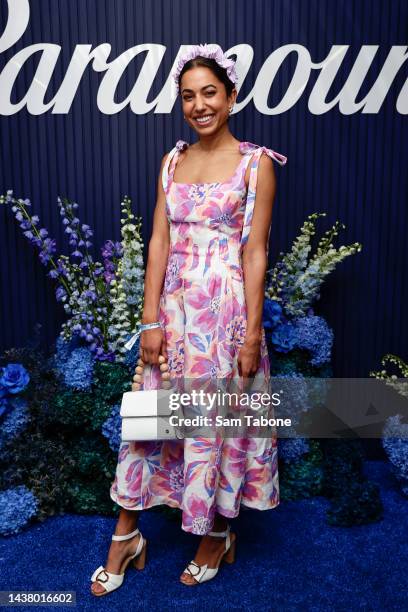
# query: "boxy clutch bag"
{"points": [[146, 413]]}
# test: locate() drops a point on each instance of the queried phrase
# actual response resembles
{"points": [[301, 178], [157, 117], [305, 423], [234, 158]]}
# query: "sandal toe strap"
{"points": [[195, 570], [108, 580]]}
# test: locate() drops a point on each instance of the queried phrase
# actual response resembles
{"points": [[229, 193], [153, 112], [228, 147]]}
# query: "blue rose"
{"points": [[272, 312], [14, 378], [284, 337]]}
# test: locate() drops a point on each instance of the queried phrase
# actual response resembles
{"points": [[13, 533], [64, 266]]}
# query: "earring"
{"points": [[231, 108]]}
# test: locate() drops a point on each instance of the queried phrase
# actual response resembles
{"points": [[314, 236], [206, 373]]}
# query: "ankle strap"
{"points": [[219, 534], [127, 536]]}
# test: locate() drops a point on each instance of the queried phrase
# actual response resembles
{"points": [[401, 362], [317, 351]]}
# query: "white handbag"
{"points": [[145, 413]]}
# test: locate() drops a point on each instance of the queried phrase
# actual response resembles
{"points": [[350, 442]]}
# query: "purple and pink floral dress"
{"points": [[203, 313]]}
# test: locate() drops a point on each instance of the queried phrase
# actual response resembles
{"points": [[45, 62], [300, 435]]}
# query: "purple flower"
{"points": [[60, 293], [91, 295]]}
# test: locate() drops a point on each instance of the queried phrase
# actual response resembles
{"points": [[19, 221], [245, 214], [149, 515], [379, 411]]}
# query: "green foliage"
{"points": [[88, 497], [304, 477]]}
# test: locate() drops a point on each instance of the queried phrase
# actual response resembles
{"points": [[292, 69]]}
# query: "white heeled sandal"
{"points": [[202, 573], [111, 582]]}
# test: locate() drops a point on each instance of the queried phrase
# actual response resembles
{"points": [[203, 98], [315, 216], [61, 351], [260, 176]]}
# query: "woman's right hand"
{"points": [[152, 344]]}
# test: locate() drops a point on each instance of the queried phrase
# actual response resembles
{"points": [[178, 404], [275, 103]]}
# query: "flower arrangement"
{"points": [[300, 344], [103, 301]]}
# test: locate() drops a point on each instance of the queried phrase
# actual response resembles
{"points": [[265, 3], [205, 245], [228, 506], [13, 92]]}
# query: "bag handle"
{"points": [[142, 366]]}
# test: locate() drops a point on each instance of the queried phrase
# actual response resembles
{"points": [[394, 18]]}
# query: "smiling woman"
{"points": [[204, 285]]}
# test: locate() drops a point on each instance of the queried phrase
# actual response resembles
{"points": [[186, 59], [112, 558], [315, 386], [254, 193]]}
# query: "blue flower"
{"points": [[15, 420], [291, 449], [294, 396], [78, 369], [17, 506], [314, 335], [111, 428], [14, 378], [63, 351], [272, 312], [284, 337]]}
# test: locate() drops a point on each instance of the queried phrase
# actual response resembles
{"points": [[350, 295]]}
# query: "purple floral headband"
{"points": [[211, 51]]}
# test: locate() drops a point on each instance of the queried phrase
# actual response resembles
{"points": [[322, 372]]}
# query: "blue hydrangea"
{"points": [[63, 350], [291, 449], [15, 420], [17, 506], [314, 335], [284, 337], [14, 378], [293, 394], [111, 428], [78, 370]]}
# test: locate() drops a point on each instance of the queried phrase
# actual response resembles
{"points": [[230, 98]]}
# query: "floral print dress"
{"points": [[203, 314]]}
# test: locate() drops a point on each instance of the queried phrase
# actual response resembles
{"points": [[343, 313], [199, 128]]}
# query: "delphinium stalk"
{"points": [[126, 289], [296, 279], [89, 302]]}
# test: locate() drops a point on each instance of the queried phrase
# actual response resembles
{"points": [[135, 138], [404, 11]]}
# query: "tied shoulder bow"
{"points": [[248, 147]]}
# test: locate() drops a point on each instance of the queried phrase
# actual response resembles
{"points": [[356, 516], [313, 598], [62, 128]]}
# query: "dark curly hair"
{"points": [[208, 62]]}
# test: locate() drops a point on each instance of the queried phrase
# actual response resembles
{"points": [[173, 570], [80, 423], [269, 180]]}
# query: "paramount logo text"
{"points": [[85, 56]]}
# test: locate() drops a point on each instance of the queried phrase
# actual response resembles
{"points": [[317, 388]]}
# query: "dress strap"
{"points": [[256, 152], [170, 165]]}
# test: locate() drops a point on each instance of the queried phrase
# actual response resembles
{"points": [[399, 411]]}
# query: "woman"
{"points": [[206, 291]]}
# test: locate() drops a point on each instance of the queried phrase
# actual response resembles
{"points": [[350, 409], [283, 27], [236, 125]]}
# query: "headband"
{"points": [[211, 51]]}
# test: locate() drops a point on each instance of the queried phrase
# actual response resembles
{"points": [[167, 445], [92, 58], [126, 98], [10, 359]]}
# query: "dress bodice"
{"points": [[212, 219]]}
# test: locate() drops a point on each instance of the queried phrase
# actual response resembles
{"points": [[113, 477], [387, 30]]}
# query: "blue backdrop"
{"points": [[352, 166]]}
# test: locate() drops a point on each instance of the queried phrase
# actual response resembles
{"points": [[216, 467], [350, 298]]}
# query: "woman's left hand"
{"points": [[249, 357]]}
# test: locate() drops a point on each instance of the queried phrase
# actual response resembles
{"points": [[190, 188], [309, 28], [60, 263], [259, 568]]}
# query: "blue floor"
{"points": [[287, 559]]}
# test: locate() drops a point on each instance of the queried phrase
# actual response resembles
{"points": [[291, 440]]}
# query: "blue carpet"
{"points": [[288, 559]]}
